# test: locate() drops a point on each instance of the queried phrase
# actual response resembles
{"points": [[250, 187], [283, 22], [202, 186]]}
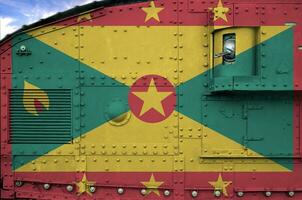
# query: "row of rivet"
{"points": [[92, 189], [217, 193], [194, 193]]}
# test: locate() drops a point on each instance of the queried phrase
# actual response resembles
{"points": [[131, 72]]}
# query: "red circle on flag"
{"points": [[152, 98]]}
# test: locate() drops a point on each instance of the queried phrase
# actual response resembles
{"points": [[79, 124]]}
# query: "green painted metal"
{"points": [[52, 125], [265, 67], [47, 68], [277, 61], [103, 104], [257, 119]]}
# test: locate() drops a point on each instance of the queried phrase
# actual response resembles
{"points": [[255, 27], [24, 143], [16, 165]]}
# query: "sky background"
{"points": [[15, 13]]}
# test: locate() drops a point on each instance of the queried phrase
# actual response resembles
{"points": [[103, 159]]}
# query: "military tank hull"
{"points": [[175, 99]]}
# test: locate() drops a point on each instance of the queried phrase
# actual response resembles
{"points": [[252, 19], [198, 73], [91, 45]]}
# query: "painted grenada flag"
{"points": [[140, 95]]}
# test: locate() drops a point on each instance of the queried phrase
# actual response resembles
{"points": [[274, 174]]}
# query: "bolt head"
{"points": [[167, 193], [240, 194], [46, 186], [69, 188], [120, 190], [217, 193], [143, 191], [268, 194], [194, 193], [92, 189], [18, 183], [291, 193], [22, 47]]}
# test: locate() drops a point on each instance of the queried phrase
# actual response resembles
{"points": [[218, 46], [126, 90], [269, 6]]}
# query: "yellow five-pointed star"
{"points": [[84, 185], [152, 185], [152, 11], [152, 99], [220, 185], [85, 17], [220, 12]]}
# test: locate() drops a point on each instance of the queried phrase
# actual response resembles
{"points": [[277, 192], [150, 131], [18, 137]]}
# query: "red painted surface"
{"points": [[5, 58], [252, 184], [143, 85], [297, 132], [298, 56], [6, 159], [195, 12], [247, 14], [38, 105], [296, 126], [182, 12], [130, 15]]}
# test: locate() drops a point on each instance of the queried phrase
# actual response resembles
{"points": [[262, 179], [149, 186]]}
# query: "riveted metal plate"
{"points": [[198, 6], [227, 113], [6, 58], [289, 12], [215, 142], [6, 174], [137, 163], [52, 66], [243, 113], [120, 56], [280, 131], [110, 128], [247, 14]]}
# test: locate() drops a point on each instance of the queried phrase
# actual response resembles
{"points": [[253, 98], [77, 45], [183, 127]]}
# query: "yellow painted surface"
{"points": [[137, 146], [152, 11], [130, 164], [268, 31], [122, 52], [134, 138], [152, 185], [246, 37], [31, 94], [220, 12], [194, 55], [109, 148], [120, 149], [64, 39], [152, 99], [99, 163], [220, 185], [127, 52], [84, 185], [51, 163], [86, 16], [208, 153]]}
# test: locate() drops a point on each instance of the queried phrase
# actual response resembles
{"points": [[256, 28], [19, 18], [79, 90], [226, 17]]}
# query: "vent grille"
{"points": [[40, 117]]}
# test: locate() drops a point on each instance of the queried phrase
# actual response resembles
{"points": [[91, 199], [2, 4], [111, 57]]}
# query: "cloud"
{"points": [[40, 11], [7, 26], [43, 9], [36, 13], [72, 3], [30, 11]]}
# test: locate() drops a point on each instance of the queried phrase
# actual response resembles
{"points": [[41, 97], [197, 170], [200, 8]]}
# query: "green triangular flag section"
{"points": [[48, 68], [260, 121]]}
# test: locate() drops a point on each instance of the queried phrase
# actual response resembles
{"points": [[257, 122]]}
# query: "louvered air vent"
{"points": [[40, 116]]}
